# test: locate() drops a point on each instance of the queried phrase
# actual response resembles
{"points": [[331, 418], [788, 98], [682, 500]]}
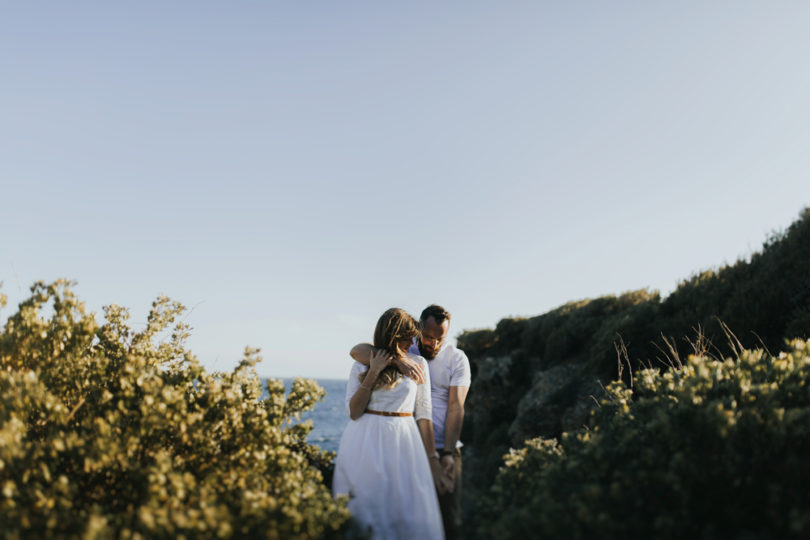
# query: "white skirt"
{"points": [[382, 465]]}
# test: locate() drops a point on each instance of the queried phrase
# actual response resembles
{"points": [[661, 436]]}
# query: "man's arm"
{"points": [[362, 353], [452, 424]]}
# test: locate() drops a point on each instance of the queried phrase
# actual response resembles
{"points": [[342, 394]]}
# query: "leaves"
{"points": [[106, 432], [716, 448]]}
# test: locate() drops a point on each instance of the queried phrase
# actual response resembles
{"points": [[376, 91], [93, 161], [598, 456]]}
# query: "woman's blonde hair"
{"points": [[394, 325]]}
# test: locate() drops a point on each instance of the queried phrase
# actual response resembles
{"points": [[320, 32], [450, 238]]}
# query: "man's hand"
{"points": [[410, 368], [445, 484], [448, 464], [440, 479]]}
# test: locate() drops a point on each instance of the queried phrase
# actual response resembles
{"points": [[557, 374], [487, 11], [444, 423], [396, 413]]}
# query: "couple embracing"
{"points": [[399, 459]]}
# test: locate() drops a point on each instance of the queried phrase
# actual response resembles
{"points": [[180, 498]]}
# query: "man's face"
{"points": [[432, 337]]}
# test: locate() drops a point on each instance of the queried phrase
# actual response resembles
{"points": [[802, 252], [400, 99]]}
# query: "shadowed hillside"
{"points": [[542, 375]]}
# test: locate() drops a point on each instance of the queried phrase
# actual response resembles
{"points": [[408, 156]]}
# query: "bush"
{"points": [[715, 449], [106, 432], [764, 301]]}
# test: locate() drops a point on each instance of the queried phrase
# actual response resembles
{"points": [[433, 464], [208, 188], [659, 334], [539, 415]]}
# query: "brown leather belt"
{"points": [[387, 413]]}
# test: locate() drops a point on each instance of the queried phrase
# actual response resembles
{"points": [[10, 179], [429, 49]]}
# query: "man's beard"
{"points": [[424, 352]]}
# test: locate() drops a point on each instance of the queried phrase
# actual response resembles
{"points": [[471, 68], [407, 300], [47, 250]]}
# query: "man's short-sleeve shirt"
{"points": [[450, 368]]}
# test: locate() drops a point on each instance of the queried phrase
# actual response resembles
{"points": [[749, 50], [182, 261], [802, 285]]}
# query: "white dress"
{"points": [[381, 462]]}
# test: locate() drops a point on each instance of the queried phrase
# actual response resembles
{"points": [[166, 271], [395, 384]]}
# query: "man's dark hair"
{"points": [[438, 313]]}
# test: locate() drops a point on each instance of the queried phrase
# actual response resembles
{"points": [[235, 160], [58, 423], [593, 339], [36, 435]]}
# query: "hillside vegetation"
{"points": [[630, 416], [714, 449], [542, 376]]}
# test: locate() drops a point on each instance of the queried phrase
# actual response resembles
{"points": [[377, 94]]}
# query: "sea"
{"points": [[329, 417]]}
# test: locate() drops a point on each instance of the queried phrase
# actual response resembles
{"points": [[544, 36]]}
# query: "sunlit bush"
{"points": [[714, 449], [110, 433]]}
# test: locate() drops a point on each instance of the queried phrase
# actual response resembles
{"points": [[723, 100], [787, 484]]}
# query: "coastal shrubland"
{"points": [[628, 415], [538, 378], [110, 433], [715, 448]]}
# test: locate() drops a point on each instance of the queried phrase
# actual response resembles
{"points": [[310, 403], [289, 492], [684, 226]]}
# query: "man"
{"points": [[449, 382]]}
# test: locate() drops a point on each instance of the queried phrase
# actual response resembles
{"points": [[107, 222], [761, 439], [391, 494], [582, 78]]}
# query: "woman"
{"points": [[386, 462]]}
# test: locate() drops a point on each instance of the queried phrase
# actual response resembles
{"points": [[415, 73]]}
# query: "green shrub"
{"points": [[110, 433], [715, 449], [764, 300]]}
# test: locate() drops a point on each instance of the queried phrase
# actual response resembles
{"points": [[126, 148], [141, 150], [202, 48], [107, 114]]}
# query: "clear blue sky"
{"points": [[292, 169]]}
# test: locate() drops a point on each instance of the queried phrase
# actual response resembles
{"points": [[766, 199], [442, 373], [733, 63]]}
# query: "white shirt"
{"points": [[450, 368], [404, 396]]}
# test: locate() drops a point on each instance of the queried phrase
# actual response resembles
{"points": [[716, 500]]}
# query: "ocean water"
{"points": [[329, 418]]}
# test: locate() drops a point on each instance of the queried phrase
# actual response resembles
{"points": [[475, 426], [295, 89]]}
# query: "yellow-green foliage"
{"points": [[714, 449], [764, 300], [110, 433]]}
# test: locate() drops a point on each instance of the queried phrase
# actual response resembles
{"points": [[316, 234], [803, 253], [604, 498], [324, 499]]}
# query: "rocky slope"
{"points": [[542, 375]]}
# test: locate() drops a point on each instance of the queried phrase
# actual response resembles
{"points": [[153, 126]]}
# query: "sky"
{"points": [[290, 170]]}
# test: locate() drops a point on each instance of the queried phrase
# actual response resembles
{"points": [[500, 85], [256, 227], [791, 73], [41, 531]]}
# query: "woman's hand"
{"points": [[380, 359], [410, 368]]}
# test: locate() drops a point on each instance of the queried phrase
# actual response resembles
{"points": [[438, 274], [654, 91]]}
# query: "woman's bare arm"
{"points": [[359, 401], [440, 479]]}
